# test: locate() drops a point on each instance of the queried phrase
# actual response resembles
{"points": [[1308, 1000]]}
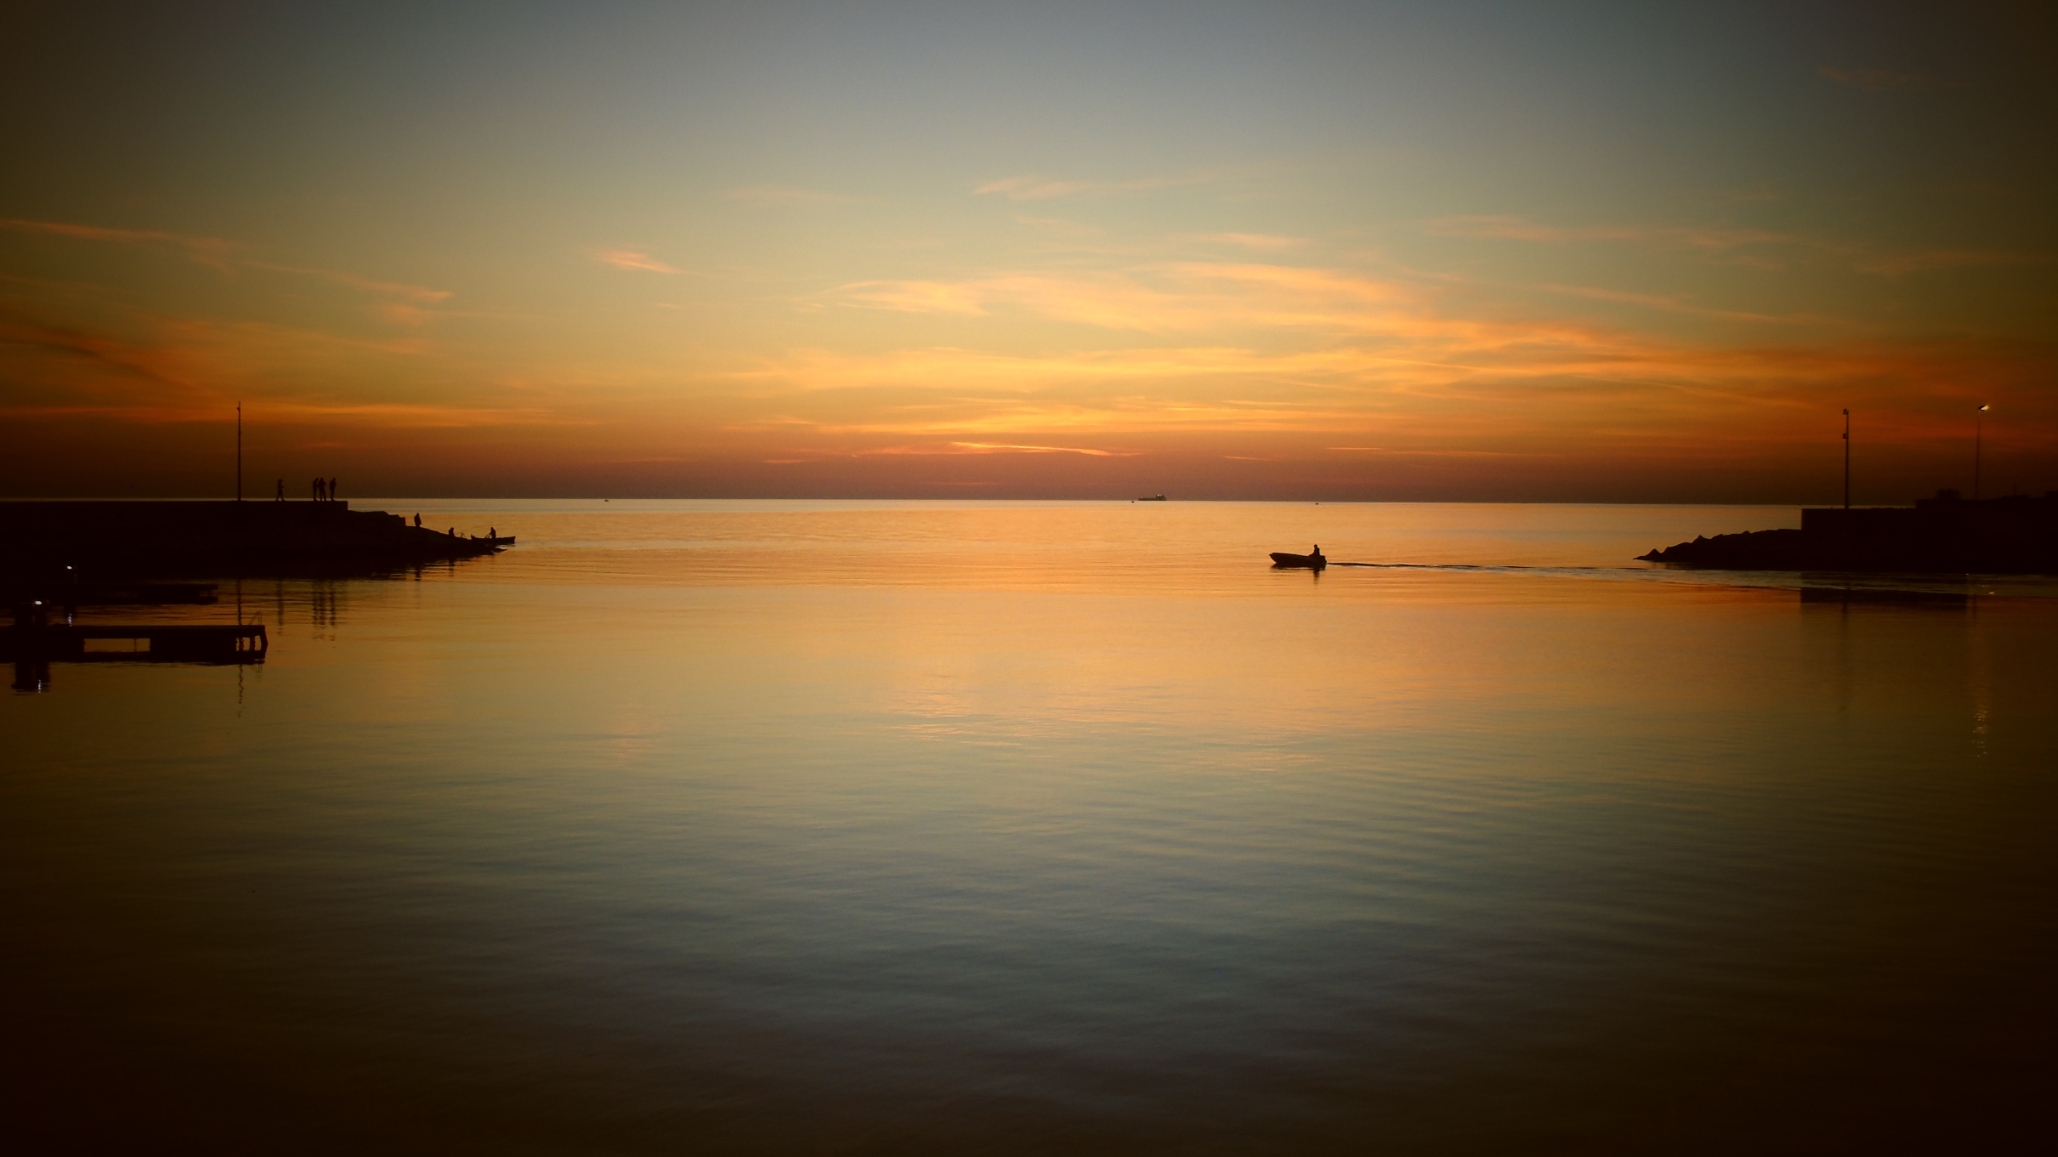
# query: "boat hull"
{"points": [[1284, 561]]}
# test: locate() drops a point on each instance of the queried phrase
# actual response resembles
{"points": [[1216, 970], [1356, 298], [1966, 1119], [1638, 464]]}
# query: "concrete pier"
{"points": [[102, 541]]}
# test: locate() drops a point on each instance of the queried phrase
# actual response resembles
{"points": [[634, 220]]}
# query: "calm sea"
{"points": [[707, 827]]}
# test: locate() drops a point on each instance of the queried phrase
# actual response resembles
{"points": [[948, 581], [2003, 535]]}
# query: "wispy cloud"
{"points": [[1011, 448], [632, 259], [1160, 297], [1390, 452], [400, 313], [210, 251], [162, 369], [223, 255], [962, 448], [1666, 304], [407, 414], [918, 296], [1676, 400], [1253, 298]]}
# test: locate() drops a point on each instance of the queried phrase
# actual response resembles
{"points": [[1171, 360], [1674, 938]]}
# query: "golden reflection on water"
{"points": [[1048, 828], [1114, 547]]}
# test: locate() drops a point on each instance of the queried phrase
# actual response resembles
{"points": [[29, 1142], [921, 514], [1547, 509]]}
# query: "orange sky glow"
{"points": [[1328, 270]]}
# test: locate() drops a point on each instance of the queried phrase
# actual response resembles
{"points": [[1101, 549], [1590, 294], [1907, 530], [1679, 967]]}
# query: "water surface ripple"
{"points": [[1040, 828]]}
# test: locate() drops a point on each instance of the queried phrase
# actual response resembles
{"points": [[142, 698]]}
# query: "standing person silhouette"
{"points": [[418, 520], [332, 490], [281, 496]]}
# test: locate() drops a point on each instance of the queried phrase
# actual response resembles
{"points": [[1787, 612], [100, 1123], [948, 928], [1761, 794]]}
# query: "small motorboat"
{"points": [[1283, 561], [1149, 498]]}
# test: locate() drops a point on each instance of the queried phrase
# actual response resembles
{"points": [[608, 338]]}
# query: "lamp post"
{"points": [[239, 451], [1847, 469], [1978, 432]]}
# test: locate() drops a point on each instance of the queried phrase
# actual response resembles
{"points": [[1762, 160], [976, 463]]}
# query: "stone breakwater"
{"points": [[98, 541], [1943, 535]]}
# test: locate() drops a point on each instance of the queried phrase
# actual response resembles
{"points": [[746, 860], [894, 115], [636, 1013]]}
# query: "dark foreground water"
{"points": [[905, 828]]}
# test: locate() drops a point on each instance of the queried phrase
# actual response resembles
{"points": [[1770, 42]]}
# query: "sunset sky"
{"points": [[1516, 251]]}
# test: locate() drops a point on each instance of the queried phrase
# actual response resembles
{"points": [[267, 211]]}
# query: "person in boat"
{"points": [[492, 533], [1317, 552]]}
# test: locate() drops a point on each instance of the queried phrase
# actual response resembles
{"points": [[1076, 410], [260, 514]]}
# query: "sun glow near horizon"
{"points": [[838, 295]]}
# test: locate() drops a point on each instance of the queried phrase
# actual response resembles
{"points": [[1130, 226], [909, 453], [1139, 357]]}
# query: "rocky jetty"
{"points": [[100, 541], [1942, 535]]}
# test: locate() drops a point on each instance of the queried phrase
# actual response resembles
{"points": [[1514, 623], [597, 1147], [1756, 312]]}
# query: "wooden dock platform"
{"points": [[210, 643]]}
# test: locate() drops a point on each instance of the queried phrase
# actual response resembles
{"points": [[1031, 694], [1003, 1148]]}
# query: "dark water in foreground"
{"points": [[951, 828]]}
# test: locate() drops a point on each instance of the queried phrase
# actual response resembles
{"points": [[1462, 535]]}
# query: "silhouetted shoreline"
{"points": [[118, 540], [1942, 535]]}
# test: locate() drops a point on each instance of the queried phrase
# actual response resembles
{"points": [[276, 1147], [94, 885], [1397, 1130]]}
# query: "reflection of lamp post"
{"points": [[1978, 420]]}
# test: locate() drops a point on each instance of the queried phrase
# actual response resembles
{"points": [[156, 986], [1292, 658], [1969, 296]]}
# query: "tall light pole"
{"points": [[1979, 417], [1847, 469], [239, 451]]}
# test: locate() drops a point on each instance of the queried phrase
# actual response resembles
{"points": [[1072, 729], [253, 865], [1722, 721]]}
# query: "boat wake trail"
{"points": [[1494, 567]]}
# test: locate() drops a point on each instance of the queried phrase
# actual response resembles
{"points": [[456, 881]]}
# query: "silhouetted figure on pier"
{"points": [[281, 495], [332, 490], [417, 520]]}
